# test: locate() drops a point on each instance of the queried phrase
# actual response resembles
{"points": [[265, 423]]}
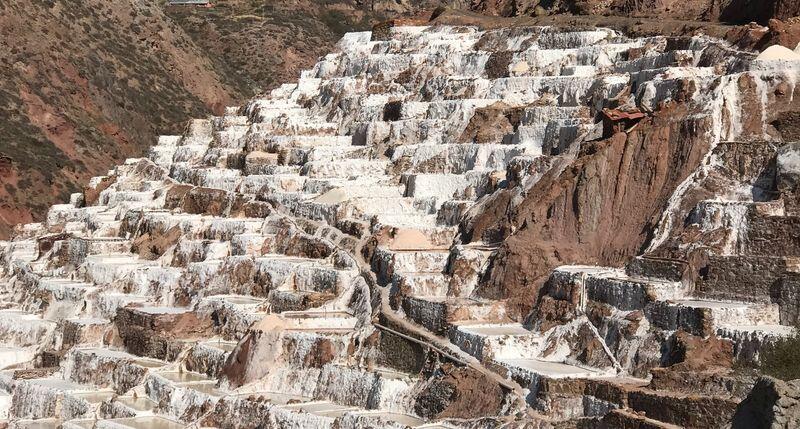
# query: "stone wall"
{"points": [[790, 299], [773, 236], [687, 411], [744, 278], [657, 268]]}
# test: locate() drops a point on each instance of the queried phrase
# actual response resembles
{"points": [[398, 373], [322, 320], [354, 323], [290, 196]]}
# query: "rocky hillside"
{"points": [[729, 11], [263, 44], [435, 226], [88, 83]]}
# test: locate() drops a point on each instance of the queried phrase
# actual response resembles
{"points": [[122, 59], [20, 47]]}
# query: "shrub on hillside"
{"points": [[781, 359]]}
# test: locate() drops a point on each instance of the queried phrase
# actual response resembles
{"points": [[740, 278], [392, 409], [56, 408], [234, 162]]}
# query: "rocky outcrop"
{"points": [[772, 404], [460, 393], [600, 209]]}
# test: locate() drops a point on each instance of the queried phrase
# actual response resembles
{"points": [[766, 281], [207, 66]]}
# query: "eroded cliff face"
{"points": [[600, 208], [381, 245]]}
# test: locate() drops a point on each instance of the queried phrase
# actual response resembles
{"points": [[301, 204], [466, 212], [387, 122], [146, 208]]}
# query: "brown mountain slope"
{"points": [[262, 44], [89, 83], [85, 84], [730, 11]]}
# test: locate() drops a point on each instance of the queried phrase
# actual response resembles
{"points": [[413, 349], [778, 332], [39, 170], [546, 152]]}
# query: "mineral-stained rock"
{"points": [[92, 192], [492, 124], [255, 353], [694, 353], [157, 332], [783, 33], [154, 244], [459, 392]]}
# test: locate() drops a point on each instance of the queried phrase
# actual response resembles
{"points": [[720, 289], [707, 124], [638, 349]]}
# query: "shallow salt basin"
{"points": [[588, 269], [403, 419], [322, 408], [149, 363], [184, 377], [19, 314], [162, 310], [550, 369], [320, 320], [777, 330], [10, 356], [95, 397], [391, 374], [139, 403], [276, 398], [39, 424], [714, 304], [498, 329], [315, 314], [225, 346], [63, 385], [116, 259], [117, 354], [242, 300], [144, 422], [207, 387], [87, 321]]}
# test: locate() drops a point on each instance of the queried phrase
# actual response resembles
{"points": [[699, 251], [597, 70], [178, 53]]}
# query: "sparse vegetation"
{"points": [[260, 44], [781, 359], [67, 111], [74, 64]]}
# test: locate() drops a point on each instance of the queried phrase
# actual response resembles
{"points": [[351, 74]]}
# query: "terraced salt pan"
{"points": [[162, 310], [403, 419], [343, 161], [276, 398], [498, 341], [121, 355], [145, 422], [320, 320], [322, 408], [40, 424]]}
